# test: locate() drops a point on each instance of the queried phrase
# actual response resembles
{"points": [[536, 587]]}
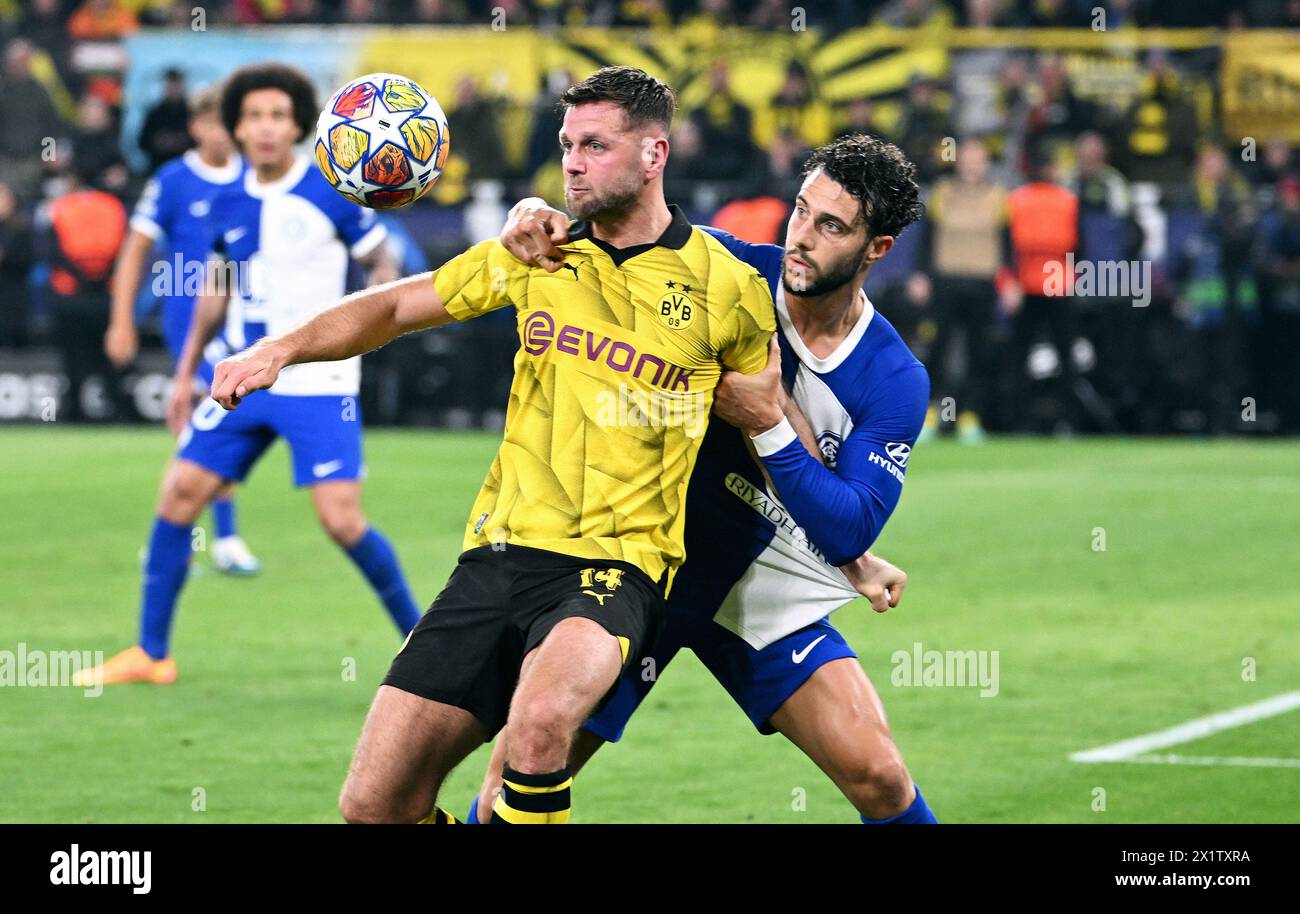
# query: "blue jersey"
{"points": [[173, 210], [288, 244], [762, 554]]}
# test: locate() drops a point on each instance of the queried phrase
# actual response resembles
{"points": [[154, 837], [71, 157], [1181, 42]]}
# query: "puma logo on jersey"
{"points": [[600, 597]]}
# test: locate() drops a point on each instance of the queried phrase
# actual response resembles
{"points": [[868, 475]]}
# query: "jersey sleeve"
{"points": [[484, 278], [843, 511], [153, 214], [359, 228], [749, 327]]}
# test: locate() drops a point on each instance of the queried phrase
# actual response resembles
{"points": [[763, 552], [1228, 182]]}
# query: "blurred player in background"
{"points": [[573, 539], [760, 578], [175, 208], [288, 236]]}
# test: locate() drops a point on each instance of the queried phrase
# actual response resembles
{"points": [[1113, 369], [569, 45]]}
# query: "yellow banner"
{"points": [[1261, 85]]}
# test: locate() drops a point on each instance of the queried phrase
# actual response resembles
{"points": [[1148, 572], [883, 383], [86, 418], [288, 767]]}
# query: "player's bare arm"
{"points": [[121, 341], [209, 312], [359, 323]]}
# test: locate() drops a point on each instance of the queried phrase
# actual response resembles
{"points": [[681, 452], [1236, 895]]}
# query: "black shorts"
{"points": [[499, 604]]}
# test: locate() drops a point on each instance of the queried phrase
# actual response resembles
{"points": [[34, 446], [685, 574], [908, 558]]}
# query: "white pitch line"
{"points": [[1125, 750], [1243, 761]]}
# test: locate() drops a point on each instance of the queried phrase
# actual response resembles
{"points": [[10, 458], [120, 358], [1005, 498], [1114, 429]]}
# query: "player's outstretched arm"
{"points": [[209, 311], [359, 323], [121, 341]]}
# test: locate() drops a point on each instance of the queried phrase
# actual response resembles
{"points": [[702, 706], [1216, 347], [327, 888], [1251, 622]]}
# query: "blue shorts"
{"points": [[759, 680], [323, 433]]}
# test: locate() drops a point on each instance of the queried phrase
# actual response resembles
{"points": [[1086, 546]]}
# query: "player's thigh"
{"points": [[598, 618], [573, 668], [837, 719], [407, 747], [607, 723]]}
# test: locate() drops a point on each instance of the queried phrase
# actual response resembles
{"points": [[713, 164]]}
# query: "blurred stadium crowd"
{"points": [[1020, 169]]}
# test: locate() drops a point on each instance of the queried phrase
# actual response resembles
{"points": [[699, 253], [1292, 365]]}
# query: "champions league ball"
{"points": [[382, 141]]}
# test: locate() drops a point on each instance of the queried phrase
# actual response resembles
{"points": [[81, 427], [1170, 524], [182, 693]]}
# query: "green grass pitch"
{"points": [[1196, 583]]}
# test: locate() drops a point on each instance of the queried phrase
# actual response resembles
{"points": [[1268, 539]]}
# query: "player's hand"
{"points": [[256, 368], [121, 343], [533, 232], [877, 580], [181, 404], [752, 403]]}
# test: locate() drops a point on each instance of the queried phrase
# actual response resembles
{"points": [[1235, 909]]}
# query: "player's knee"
{"points": [[371, 808], [343, 525], [184, 493], [880, 785], [540, 733]]}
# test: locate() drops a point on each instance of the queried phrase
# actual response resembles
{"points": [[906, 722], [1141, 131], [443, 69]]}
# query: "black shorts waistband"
{"points": [[530, 558]]}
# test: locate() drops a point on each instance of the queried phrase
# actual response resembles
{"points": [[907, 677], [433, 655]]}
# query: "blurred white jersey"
{"points": [[289, 242]]}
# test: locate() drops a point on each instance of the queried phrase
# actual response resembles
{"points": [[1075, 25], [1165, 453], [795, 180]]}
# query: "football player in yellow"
{"points": [[573, 540]]}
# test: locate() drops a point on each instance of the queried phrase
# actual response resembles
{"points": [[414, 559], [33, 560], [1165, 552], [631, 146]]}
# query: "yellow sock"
{"points": [[439, 817], [533, 799]]}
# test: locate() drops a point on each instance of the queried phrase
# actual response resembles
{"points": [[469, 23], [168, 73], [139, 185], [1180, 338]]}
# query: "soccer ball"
{"points": [[382, 141]]}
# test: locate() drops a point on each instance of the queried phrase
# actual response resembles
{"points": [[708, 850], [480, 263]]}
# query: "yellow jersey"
{"points": [[620, 350]]}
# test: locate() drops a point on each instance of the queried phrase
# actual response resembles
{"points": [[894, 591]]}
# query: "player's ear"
{"points": [[654, 154], [877, 248]]}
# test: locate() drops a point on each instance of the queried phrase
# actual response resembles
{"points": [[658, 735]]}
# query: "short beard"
{"points": [[836, 276], [611, 206]]}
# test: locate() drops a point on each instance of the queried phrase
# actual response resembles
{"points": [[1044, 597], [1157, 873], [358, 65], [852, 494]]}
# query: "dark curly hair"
{"points": [[644, 99], [291, 81], [877, 174]]}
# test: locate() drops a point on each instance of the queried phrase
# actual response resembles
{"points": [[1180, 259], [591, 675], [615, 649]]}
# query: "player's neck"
{"points": [[212, 160], [271, 172], [824, 321], [642, 224]]}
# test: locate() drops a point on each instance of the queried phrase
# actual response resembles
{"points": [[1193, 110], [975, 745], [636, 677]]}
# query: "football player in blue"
{"points": [[172, 215], [286, 237], [793, 487]]}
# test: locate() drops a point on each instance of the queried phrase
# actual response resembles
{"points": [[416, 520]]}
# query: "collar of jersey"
{"points": [[674, 237], [213, 174], [277, 187], [836, 358]]}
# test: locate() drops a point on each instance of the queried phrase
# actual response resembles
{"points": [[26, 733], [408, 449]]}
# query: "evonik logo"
{"points": [[539, 334]]}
